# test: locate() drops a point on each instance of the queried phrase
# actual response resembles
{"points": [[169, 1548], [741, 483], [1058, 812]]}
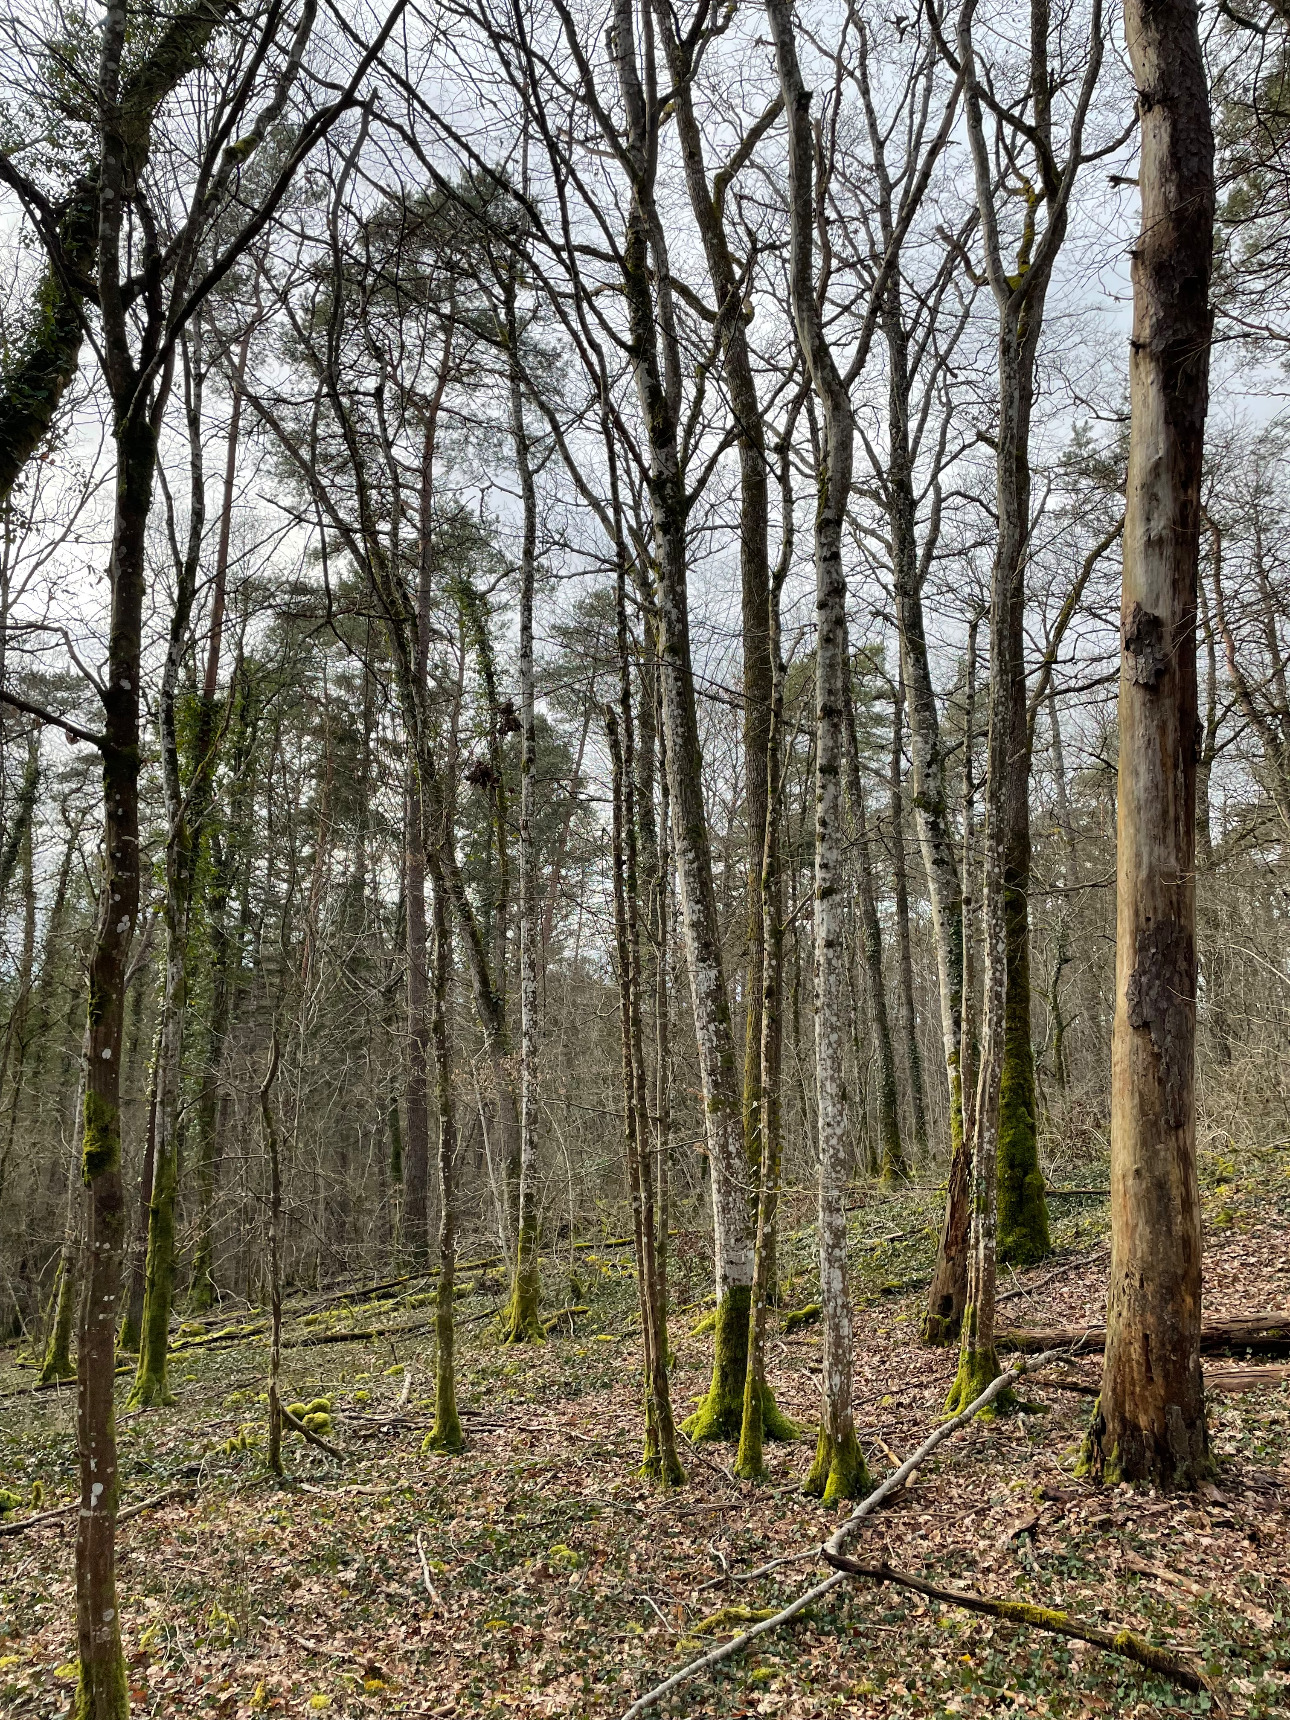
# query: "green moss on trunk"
{"points": [[720, 1415], [977, 1370], [151, 1382], [943, 1319], [1023, 1212], [839, 1470], [101, 1689], [446, 1434], [522, 1322], [58, 1364]]}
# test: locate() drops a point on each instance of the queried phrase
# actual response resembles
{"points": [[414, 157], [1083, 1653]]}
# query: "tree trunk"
{"points": [[839, 1469], [719, 1415], [522, 1323], [416, 1149], [892, 1162], [900, 890], [1150, 1428], [445, 1434]]}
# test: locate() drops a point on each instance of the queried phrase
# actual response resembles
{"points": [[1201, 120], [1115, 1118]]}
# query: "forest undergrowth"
{"points": [[536, 1574]]}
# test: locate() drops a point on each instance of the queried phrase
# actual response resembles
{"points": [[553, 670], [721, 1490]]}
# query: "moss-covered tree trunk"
{"points": [[1150, 1428]]}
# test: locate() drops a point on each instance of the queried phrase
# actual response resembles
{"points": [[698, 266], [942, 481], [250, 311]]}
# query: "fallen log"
{"points": [[61, 1511], [1269, 1333], [1122, 1642]]}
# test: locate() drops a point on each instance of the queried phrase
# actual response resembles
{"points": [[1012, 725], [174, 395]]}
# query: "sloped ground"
{"points": [[557, 1583]]}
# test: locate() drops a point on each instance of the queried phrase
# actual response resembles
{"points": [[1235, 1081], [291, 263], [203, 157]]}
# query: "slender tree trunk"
{"points": [[57, 1363], [416, 1149], [523, 1323], [269, 1140], [131, 1334], [839, 1470], [1150, 1426], [904, 951], [446, 1434], [892, 1153], [719, 1415]]}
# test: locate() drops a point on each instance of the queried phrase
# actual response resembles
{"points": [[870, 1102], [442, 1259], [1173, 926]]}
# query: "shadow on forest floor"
{"points": [[555, 1582]]}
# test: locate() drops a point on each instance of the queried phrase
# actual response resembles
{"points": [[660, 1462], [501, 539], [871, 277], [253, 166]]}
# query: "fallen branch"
{"points": [[1122, 1642], [67, 1510], [834, 1544], [310, 1435], [1269, 1332]]}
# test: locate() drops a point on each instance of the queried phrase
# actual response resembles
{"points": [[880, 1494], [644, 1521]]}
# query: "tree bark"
{"points": [[892, 1161], [1150, 1427], [839, 1470]]}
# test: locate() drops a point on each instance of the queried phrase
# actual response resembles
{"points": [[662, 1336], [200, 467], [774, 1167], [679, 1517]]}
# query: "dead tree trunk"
{"points": [[1150, 1427]]}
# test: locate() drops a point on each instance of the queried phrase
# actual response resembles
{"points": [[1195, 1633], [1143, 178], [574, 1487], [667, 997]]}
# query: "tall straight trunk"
{"points": [[416, 1148], [971, 1000], [749, 1461], [839, 1470], [892, 1162], [978, 1362], [1150, 1427], [948, 1290], [186, 807], [660, 1459], [708, 203], [273, 1155], [131, 1334], [445, 1434], [101, 1689], [56, 1363], [719, 1415], [522, 1322], [203, 1290], [904, 950]]}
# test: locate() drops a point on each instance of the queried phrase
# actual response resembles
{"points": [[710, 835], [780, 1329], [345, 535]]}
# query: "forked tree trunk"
{"points": [[720, 1414], [1150, 1427], [839, 1470]]}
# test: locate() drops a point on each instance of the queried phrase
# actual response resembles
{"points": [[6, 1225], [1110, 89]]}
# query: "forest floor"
{"points": [[556, 1582]]}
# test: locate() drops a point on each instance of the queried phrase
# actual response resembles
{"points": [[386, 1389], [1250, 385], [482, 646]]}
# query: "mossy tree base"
{"points": [[941, 1330], [102, 1692], [978, 1369], [447, 1437], [521, 1323], [839, 1470], [663, 1472], [1177, 1465], [721, 1413], [129, 1337], [150, 1391]]}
